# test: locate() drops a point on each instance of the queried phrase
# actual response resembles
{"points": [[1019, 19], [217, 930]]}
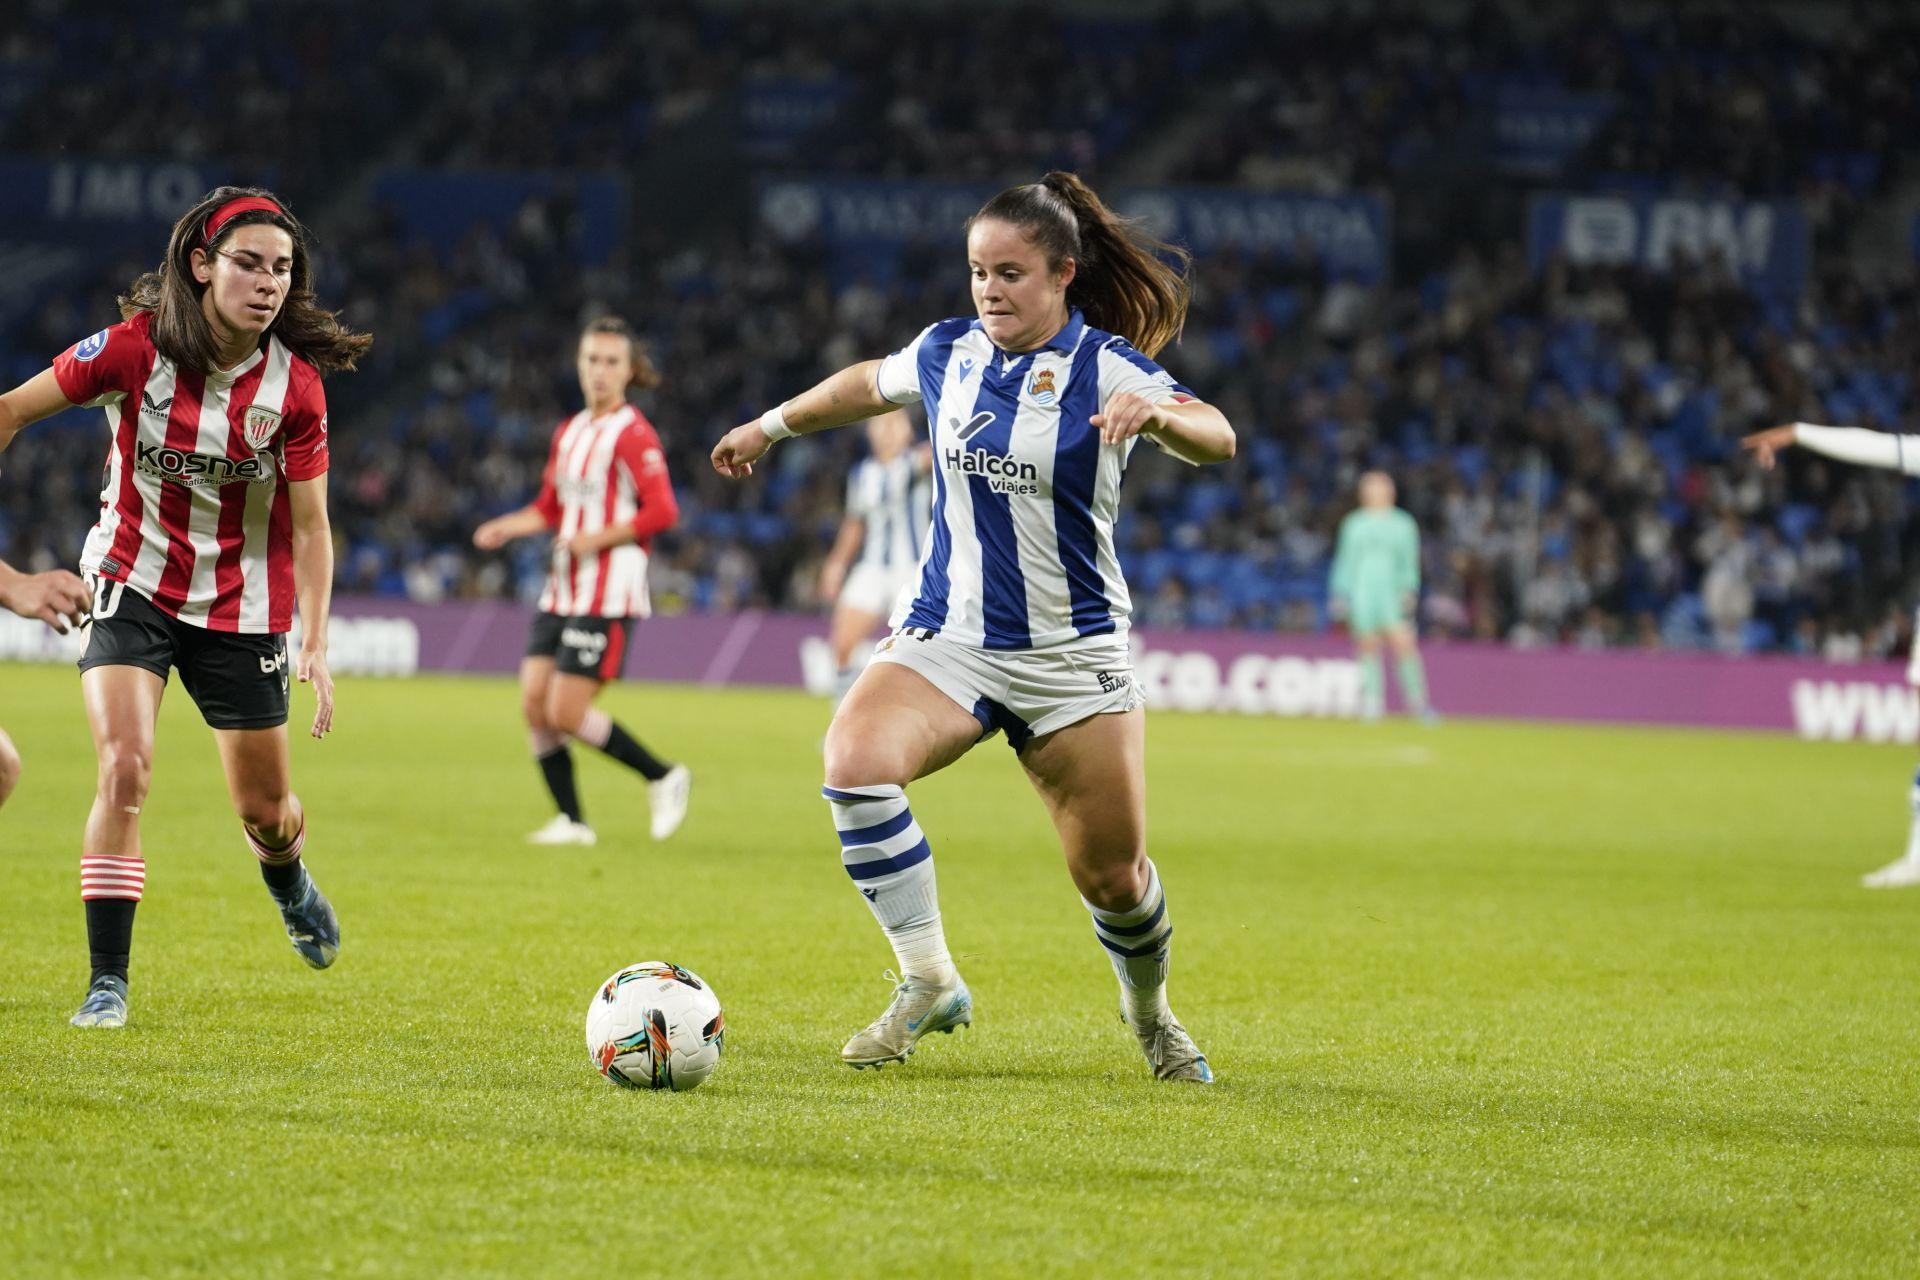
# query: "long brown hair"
{"points": [[640, 360], [1126, 281], [180, 329]]}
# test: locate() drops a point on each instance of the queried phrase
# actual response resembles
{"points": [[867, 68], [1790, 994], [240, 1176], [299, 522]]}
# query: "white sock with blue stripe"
{"points": [[1137, 942], [887, 856]]}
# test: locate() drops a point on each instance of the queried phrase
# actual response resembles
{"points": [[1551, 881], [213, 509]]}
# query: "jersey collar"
{"points": [[1069, 336], [1064, 341], [227, 377]]}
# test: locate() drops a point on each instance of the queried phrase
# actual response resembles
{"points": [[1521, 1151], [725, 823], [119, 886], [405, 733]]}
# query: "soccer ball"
{"points": [[654, 1025]]}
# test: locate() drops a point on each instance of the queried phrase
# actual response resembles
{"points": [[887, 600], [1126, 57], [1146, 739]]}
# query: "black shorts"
{"points": [[591, 647], [237, 681]]}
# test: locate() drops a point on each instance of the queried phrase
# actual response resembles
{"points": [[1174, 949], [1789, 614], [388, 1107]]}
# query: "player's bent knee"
{"points": [[535, 712], [265, 812], [856, 761], [1117, 886], [564, 717], [125, 770]]}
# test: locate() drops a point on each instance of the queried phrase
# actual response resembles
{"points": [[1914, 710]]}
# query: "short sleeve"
{"points": [[899, 377], [304, 437], [1122, 368], [110, 365]]}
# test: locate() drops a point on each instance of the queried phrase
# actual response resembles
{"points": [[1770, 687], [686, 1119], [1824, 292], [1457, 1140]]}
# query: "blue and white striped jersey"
{"points": [[892, 502], [1020, 554]]}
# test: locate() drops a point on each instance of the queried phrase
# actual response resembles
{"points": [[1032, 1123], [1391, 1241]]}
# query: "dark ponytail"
{"points": [[1126, 281], [180, 330]]}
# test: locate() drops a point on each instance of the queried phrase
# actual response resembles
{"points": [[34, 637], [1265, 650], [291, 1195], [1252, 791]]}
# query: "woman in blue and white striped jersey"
{"points": [[1018, 621]]}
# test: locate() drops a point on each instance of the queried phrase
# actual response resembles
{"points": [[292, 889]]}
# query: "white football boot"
{"points": [[1170, 1051], [563, 830], [1898, 874], [667, 799], [918, 1008]]}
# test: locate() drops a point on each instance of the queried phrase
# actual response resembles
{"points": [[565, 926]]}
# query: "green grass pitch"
{"points": [[1484, 1000]]}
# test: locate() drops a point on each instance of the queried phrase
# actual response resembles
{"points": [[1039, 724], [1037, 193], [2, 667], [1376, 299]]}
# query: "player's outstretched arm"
{"points": [[1191, 430], [313, 584], [57, 598], [497, 532], [1857, 445], [851, 395], [36, 398]]}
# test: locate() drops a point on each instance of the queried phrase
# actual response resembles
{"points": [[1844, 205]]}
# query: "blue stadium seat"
{"points": [[763, 527], [1795, 520]]}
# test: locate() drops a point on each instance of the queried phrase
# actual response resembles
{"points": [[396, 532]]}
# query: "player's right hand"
{"points": [[57, 598], [739, 449], [310, 665], [1766, 445], [488, 537]]}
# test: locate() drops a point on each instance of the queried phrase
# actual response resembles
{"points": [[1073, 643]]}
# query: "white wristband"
{"points": [[774, 423]]}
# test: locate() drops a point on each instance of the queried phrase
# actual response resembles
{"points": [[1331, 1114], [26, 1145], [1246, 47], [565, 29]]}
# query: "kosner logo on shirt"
{"points": [[182, 467]]}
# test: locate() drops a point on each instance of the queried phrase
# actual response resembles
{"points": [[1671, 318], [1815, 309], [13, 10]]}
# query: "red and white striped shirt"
{"points": [[603, 472], [194, 513]]}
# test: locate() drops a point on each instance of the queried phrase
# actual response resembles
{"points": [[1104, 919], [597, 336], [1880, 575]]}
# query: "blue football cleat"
{"points": [[105, 1005], [312, 926]]}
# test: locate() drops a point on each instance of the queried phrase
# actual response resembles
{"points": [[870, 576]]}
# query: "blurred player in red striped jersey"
{"points": [[605, 496], [213, 517]]}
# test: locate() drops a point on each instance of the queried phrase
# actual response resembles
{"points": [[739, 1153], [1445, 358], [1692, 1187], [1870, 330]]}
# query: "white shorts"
{"points": [[872, 589], [1026, 692]]}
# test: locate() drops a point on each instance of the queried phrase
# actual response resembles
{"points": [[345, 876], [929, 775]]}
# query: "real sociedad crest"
{"points": [[259, 427], [1040, 387]]}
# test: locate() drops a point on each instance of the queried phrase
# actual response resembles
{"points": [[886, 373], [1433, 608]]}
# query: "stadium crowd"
{"points": [[1564, 438]]}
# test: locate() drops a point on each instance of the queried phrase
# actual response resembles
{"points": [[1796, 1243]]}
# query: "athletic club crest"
{"points": [[259, 427], [1040, 387]]}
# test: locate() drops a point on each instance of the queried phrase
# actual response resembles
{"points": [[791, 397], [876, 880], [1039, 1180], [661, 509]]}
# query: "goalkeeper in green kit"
{"points": [[1376, 583]]}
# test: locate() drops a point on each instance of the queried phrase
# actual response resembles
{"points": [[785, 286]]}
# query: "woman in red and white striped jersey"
{"points": [[605, 496], [213, 520]]}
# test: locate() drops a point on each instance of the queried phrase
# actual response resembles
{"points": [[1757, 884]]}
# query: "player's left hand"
{"points": [[1766, 445], [1126, 415], [580, 544], [311, 667]]}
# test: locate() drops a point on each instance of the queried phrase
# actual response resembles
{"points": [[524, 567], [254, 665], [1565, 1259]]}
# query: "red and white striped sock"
{"points": [[108, 875], [282, 869], [272, 857]]}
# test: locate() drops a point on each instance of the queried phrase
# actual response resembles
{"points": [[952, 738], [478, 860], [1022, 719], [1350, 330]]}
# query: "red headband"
{"points": [[234, 208]]}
